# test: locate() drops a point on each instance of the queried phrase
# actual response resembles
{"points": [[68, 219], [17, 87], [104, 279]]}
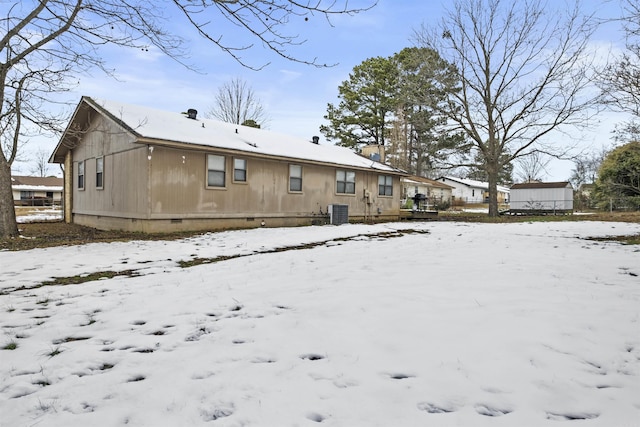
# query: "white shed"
{"points": [[541, 197]]}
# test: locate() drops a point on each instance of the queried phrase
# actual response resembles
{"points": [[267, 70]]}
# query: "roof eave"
{"points": [[230, 151], [70, 137]]}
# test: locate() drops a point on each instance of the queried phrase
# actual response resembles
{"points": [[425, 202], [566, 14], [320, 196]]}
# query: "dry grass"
{"points": [[579, 216], [58, 233], [35, 210]]}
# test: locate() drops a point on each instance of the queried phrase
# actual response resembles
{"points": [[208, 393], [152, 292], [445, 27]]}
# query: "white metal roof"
{"points": [[36, 183], [177, 127], [24, 187], [476, 184]]}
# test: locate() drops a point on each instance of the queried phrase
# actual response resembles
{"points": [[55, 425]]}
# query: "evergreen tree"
{"points": [[619, 176], [425, 81], [368, 99], [393, 102]]}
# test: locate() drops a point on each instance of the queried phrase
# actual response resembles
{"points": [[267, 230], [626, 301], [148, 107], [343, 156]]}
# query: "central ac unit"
{"points": [[338, 214]]}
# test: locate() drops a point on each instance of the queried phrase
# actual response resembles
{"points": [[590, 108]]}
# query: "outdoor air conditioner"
{"points": [[338, 214]]}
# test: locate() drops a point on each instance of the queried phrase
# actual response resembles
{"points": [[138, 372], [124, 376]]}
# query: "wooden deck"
{"points": [[408, 214]]}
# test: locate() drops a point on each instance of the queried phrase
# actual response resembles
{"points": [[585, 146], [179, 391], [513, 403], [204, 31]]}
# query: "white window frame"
{"points": [[216, 166], [99, 173], [240, 167], [81, 175], [385, 182], [295, 177], [347, 180]]}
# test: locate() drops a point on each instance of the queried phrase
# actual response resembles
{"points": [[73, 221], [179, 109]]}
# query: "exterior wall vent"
{"points": [[338, 214]]}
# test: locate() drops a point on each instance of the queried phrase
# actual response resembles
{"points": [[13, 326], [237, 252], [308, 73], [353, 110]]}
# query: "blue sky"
{"points": [[295, 96]]}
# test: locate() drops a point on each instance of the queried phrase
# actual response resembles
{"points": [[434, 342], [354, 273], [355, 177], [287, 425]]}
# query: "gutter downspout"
{"points": [[149, 198], [68, 188]]}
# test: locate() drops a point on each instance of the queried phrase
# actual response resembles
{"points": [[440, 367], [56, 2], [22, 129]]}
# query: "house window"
{"points": [[346, 182], [295, 178], [26, 195], [100, 172], [215, 171], [385, 185], [240, 170], [80, 175]]}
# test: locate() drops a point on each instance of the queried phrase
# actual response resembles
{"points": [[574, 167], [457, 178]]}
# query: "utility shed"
{"points": [[554, 198]]}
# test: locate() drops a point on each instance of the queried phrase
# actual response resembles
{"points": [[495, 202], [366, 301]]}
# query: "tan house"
{"points": [[140, 169], [36, 190]]}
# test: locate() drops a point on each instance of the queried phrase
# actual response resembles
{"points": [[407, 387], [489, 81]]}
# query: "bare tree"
{"points": [[237, 103], [532, 167], [40, 164], [621, 79], [524, 72], [46, 43], [586, 167]]}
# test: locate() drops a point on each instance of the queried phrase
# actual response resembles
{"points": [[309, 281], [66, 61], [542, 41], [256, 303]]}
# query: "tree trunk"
{"points": [[493, 191], [8, 224]]}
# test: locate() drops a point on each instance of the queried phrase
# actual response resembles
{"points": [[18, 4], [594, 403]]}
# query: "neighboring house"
{"points": [[435, 192], [471, 191], [136, 168], [36, 191], [542, 197], [587, 190], [584, 197]]}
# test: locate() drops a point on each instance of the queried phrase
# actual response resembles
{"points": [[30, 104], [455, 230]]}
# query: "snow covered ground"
{"points": [[399, 324]]}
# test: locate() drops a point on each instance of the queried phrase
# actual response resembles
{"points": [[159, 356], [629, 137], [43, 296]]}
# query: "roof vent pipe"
{"points": [[315, 139], [192, 113]]}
